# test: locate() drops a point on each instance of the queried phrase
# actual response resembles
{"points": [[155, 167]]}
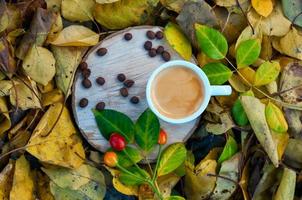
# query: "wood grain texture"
{"points": [[130, 58]]}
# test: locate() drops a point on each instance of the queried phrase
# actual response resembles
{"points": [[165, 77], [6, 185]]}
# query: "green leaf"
{"points": [[217, 73], [178, 40], [275, 118], [124, 160], [248, 52], [110, 121], [266, 73], [172, 157], [136, 178], [174, 198], [238, 112], [211, 42], [286, 189], [229, 150], [147, 130]]}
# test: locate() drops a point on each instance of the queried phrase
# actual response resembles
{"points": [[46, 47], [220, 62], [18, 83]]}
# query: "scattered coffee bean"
{"points": [[134, 100], [159, 35], [152, 52], [100, 81], [128, 83], [101, 51], [150, 35], [160, 49], [86, 73], [86, 83], [148, 45], [124, 92], [121, 77], [166, 56], [100, 106], [83, 66], [128, 36], [83, 103]]}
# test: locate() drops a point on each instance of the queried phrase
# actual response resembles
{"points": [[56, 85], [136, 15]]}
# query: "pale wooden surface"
{"points": [[130, 58]]}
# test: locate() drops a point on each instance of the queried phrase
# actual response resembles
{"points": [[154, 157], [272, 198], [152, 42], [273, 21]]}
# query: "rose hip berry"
{"points": [[110, 159], [117, 142], [162, 138]]}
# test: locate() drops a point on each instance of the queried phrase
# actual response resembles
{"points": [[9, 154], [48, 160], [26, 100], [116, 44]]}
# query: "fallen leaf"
{"points": [[266, 73], [24, 94], [43, 189], [85, 180], [52, 97], [77, 10], [76, 35], [281, 140], [61, 138], [105, 1], [7, 61], [294, 123], [5, 87], [271, 25], [237, 84], [248, 74], [14, 16], [175, 5], [23, 183], [292, 10], [266, 48], [217, 73], [5, 122], [54, 5], [4, 17], [244, 182], [286, 189], [293, 151], [178, 40], [55, 29], [275, 118], [67, 61], [39, 64], [124, 13], [247, 52], [167, 183], [6, 180], [248, 33], [263, 7], [232, 6], [229, 149]]}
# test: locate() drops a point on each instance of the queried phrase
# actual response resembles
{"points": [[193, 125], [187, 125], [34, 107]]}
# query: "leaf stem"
{"points": [[134, 163], [157, 163]]}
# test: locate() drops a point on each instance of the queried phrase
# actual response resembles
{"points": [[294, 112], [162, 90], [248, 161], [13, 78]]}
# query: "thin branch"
{"points": [[223, 177]]}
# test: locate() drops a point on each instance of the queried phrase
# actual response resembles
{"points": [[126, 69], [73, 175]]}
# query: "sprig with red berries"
{"points": [[132, 142]]}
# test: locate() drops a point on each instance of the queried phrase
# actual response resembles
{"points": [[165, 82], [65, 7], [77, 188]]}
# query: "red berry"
{"points": [[162, 138], [110, 159], [117, 142]]}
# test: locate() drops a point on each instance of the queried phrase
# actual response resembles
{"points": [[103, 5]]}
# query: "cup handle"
{"points": [[221, 90]]}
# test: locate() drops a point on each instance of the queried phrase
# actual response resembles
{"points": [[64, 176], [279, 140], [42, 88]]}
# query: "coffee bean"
{"points": [[152, 52], [128, 36], [166, 56], [101, 51], [100, 106], [160, 49], [148, 45], [121, 77], [86, 73], [86, 83], [83, 103], [124, 92], [128, 83], [100, 81], [134, 100], [159, 35], [83, 66], [150, 35]]}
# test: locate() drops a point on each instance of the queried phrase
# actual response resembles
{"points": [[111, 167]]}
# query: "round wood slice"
{"points": [[130, 58]]}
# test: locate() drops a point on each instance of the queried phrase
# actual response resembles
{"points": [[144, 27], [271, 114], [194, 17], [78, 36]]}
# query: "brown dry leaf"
{"points": [[77, 10], [266, 48], [166, 183], [5, 122], [6, 180], [7, 61], [14, 15], [175, 5], [24, 95], [276, 24], [249, 75], [39, 64], [76, 35], [37, 34], [23, 183], [66, 147], [55, 29], [244, 181], [43, 189], [263, 7], [290, 44]]}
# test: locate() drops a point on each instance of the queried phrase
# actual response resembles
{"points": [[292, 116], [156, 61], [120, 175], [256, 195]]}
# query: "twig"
{"points": [[223, 177]]}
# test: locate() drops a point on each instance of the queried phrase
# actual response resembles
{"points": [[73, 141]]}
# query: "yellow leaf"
{"points": [[249, 33], [66, 147], [275, 118], [124, 189], [266, 48], [76, 35], [5, 86], [286, 189], [77, 10], [23, 183], [166, 183], [263, 7], [281, 140], [52, 97], [177, 39], [175, 5], [55, 29], [6, 179], [54, 5], [5, 122], [4, 17], [237, 84], [267, 73], [105, 1], [39, 64], [248, 74]]}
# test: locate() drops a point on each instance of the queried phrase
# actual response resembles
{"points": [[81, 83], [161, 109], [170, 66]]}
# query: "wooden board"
{"points": [[130, 58]]}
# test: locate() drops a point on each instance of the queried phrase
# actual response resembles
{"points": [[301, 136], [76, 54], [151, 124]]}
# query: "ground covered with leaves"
{"points": [[247, 145]]}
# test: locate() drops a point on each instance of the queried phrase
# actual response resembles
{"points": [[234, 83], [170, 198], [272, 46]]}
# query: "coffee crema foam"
{"points": [[177, 92]]}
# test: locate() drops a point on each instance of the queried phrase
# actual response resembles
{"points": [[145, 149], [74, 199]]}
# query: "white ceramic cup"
{"points": [[209, 90]]}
